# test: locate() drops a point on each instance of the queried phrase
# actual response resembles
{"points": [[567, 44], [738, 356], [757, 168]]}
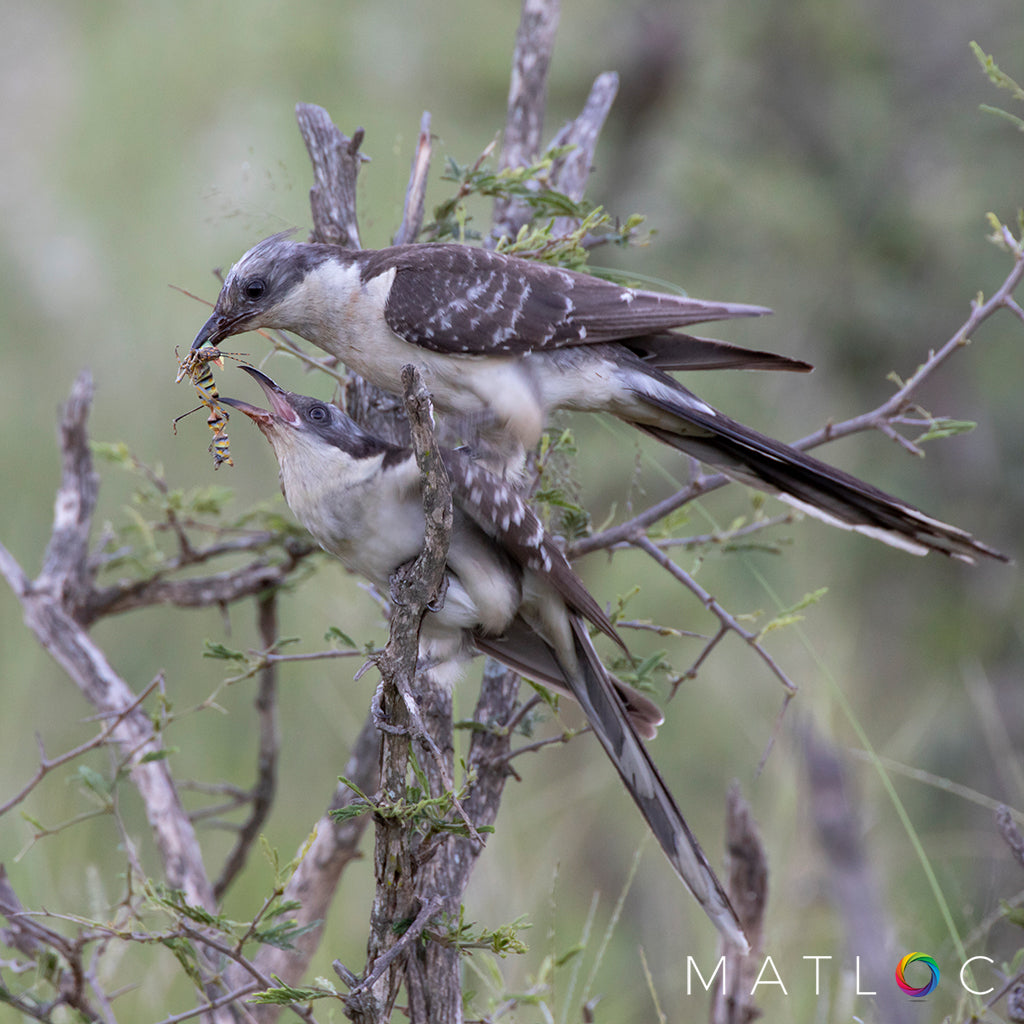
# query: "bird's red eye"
{"points": [[255, 288]]}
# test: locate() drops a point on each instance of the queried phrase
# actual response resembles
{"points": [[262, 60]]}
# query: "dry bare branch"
{"points": [[727, 620], [405, 885], [527, 97], [336, 160], [571, 172], [50, 604], [416, 192], [1011, 833]]}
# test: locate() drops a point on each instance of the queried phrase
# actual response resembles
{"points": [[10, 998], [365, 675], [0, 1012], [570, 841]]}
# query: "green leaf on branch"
{"points": [[216, 650], [1001, 80], [285, 995], [941, 428], [791, 615]]}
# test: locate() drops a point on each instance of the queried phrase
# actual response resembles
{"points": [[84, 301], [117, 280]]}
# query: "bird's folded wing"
{"points": [[502, 513]]}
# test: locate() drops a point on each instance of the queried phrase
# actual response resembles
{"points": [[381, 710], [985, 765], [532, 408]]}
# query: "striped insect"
{"points": [[197, 367]]}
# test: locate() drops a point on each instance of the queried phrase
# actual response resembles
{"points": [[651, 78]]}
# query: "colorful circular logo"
{"points": [[914, 958]]}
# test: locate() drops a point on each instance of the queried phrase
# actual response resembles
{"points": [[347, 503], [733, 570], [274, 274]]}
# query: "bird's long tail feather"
{"points": [[800, 480], [593, 689]]}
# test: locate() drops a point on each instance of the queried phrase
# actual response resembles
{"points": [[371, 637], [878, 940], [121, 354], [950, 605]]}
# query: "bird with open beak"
{"points": [[510, 591]]}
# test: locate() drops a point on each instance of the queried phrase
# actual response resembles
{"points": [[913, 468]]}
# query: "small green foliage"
{"points": [[174, 901], [527, 183], [156, 536], [562, 442], [501, 941], [530, 184], [642, 675], [94, 783], [219, 652], [157, 755], [282, 934], [790, 616], [538, 241], [1014, 915], [573, 518], [115, 452], [549, 697], [337, 636], [553, 496], [430, 815], [1017, 963], [621, 602], [1001, 80], [670, 525], [1003, 239], [285, 995], [942, 427], [349, 811], [359, 806], [254, 661], [210, 500], [185, 953]]}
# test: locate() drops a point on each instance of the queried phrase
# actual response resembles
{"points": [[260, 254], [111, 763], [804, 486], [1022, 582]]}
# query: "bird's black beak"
{"points": [[213, 332], [281, 409]]}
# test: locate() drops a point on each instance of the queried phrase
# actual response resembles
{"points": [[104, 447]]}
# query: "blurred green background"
{"points": [[826, 159]]}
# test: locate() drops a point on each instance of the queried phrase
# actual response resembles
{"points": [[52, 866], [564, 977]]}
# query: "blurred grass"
{"points": [[828, 160]]}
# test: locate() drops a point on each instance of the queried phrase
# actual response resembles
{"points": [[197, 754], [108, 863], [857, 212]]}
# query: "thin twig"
{"points": [[727, 620], [214, 1004], [549, 741], [902, 398], [47, 765], [412, 933]]}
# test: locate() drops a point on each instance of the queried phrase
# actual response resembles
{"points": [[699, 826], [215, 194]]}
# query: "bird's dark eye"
{"points": [[254, 288], [319, 413]]}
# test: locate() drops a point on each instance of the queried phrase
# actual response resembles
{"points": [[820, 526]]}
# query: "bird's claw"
{"points": [[400, 577], [436, 603]]}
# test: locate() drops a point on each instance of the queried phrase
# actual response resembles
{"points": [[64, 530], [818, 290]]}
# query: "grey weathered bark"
{"points": [[47, 603], [527, 98], [336, 160], [572, 171], [415, 708]]}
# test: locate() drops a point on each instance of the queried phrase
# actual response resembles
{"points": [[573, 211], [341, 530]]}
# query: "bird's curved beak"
{"points": [[213, 332], [281, 410]]}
